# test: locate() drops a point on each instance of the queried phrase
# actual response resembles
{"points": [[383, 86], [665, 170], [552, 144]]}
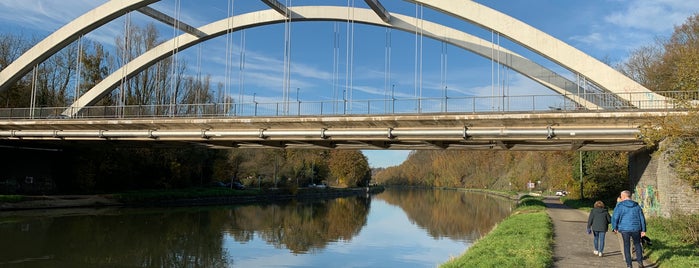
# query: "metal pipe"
{"points": [[428, 132], [496, 133]]}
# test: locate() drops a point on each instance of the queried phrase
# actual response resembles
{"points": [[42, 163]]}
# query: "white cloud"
{"points": [[657, 16], [44, 15]]}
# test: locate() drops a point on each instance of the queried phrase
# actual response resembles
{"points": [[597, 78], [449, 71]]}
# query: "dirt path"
{"points": [[573, 246]]}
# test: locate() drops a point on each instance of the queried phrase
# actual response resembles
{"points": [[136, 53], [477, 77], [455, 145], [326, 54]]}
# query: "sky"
{"points": [[335, 60]]}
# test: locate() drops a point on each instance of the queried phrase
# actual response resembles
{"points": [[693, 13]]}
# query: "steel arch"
{"points": [[65, 35], [463, 40]]}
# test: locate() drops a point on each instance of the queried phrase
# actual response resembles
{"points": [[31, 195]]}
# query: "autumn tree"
{"points": [[349, 168], [673, 65], [11, 47]]}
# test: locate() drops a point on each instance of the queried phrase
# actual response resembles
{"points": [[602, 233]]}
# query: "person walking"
{"points": [[598, 224], [628, 219]]}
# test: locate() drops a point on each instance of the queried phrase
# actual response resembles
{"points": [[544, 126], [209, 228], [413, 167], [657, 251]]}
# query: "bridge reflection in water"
{"points": [[398, 228]]}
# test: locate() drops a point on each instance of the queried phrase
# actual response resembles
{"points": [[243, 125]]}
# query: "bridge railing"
{"points": [[471, 104]]}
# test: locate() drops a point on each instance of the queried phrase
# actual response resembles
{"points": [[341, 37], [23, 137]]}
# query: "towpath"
{"points": [[573, 246]]}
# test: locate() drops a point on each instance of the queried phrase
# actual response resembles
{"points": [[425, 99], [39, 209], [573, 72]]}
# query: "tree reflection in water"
{"points": [[188, 237], [196, 236], [450, 213], [300, 227]]}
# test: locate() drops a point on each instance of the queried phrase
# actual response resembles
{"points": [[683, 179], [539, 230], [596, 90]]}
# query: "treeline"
{"points": [[602, 172], [672, 64], [68, 74], [108, 168]]}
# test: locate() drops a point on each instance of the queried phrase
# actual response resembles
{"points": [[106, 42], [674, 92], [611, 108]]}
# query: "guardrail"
{"points": [[477, 104]]}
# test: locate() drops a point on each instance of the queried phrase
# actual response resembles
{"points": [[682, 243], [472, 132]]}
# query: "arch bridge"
{"points": [[604, 113]]}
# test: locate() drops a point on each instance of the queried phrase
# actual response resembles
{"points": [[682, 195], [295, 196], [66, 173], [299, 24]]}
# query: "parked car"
{"points": [[561, 193], [237, 185]]}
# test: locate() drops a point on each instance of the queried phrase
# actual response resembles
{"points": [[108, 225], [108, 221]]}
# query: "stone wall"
{"points": [[656, 186]]}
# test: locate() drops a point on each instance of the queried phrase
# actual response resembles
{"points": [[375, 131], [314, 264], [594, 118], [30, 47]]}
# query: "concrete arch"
{"points": [[332, 13], [547, 46], [66, 35]]}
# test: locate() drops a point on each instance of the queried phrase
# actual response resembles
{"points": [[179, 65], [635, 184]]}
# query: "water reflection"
{"points": [[300, 227], [450, 213], [338, 232]]}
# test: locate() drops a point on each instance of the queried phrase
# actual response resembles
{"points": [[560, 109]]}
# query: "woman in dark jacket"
{"points": [[598, 223]]}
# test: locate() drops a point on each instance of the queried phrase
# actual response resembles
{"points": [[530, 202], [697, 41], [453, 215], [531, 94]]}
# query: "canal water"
{"points": [[396, 228]]}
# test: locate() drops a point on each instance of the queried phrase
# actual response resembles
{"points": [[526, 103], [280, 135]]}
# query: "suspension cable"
{"points": [[417, 79], [32, 100], [336, 67], [199, 83], [287, 59], [121, 102], [78, 68], [241, 70], [173, 79], [349, 56], [415, 63], [223, 96], [443, 72], [387, 69]]}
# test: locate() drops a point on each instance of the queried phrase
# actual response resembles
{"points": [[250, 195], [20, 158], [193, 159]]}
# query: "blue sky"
{"points": [[605, 29]]}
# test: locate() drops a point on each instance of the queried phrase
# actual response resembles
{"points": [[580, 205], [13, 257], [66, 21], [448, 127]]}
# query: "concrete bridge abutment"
{"points": [[655, 184]]}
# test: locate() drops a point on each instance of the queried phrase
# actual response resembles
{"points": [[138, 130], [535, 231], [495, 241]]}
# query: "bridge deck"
{"points": [[617, 130]]}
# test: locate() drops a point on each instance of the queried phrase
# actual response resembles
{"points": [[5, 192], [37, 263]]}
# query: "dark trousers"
{"points": [[636, 236]]}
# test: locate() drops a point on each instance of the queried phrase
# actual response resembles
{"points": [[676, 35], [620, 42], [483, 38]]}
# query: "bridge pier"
{"points": [[656, 186]]}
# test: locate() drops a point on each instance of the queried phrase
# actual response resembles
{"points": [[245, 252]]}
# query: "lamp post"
{"points": [[254, 101], [393, 99], [582, 196], [298, 108]]}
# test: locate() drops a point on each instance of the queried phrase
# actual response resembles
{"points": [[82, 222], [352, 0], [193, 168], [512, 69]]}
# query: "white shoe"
{"points": [[596, 252], [600, 254]]}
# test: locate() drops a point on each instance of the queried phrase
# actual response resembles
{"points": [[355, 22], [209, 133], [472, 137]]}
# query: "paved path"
{"points": [[573, 246]]}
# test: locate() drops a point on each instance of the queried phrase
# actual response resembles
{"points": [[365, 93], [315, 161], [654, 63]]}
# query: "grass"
{"points": [[11, 198], [524, 239], [675, 240]]}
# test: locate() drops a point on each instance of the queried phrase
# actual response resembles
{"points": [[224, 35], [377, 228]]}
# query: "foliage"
{"points": [[605, 173], [675, 240], [349, 168], [529, 225], [11, 198], [673, 65]]}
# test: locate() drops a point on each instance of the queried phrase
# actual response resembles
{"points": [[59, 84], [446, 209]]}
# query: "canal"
{"points": [[396, 228]]}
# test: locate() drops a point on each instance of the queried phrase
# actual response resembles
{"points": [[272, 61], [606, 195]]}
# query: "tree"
{"points": [[673, 65], [11, 47], [349, 168]]}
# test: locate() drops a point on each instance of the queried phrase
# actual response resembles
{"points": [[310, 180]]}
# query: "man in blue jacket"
{"points": [[628, 219]]}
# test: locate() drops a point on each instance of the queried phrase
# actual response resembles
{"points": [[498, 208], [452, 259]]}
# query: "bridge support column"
{"points": [[656, 186]]}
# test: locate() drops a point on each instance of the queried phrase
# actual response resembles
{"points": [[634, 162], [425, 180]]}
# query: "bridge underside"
{"points": [[497, 131]]}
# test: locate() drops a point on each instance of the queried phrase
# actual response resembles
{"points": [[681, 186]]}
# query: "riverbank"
{"points": [[183, 197], [523, 239]]}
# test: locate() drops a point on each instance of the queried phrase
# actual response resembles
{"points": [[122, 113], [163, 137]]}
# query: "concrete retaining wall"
{"points": [[656, 186]]}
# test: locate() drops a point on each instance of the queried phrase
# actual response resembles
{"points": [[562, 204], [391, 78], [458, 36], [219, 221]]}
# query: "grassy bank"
{"points": [[529, 226], [675, 239], [11, 198]]}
